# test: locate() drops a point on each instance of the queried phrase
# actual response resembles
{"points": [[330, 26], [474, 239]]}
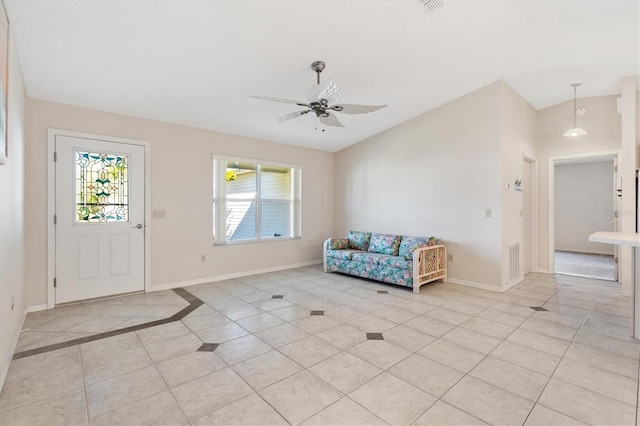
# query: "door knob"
{"points": [[138, 226]]}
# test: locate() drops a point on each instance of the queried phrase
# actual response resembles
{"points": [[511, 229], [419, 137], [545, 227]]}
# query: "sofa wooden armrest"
{"points": [[429, 264]]}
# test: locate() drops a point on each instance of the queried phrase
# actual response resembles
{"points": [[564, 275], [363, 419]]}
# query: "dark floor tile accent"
{"points": [[184, 312], [374, 336], [538, 308], [194, 303], [37, 351], [383, 292], [186, 295], [317, 312], [208, 347], [277, 296]]}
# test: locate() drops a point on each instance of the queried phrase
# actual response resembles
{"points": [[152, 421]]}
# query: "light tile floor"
{"points": [[450, 355]]}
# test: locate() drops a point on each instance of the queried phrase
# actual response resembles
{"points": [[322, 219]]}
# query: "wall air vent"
{"points": [[514, 263], [431, 5]]}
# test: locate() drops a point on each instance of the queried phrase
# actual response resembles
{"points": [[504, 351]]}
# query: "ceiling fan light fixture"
{"points": [[574, 131]]}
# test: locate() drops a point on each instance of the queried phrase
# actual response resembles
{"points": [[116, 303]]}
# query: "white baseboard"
{"points": [[474, 284], [626, 293], [36, 308], [514, 283], [169, 286], [544, 271], [12, 350]]}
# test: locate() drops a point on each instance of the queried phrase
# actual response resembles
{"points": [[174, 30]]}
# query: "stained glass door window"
{"points": [[102, 187]]}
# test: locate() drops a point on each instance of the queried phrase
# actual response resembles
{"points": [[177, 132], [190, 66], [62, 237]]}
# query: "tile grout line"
{"points": [[307, 369], [561, 359], [256, 391], [556, 367], [84, 387], [416, 353], [153, 363], [577, 330], [485, 308], [165, 382], [485, 357], [465, 374]]}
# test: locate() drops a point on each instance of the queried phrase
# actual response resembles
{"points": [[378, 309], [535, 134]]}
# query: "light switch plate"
{"points": [[159, 214]]}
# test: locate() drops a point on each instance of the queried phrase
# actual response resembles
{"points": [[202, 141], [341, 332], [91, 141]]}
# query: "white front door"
{"points": [[100, 215]]}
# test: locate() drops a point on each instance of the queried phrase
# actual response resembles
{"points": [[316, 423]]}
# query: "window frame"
{"points": [[220, 198]]}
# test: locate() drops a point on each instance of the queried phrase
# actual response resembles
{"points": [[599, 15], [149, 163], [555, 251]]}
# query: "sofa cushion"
{"points": [[359, 240], [384, 244], [339, 244], [372, 258], [395, 262], [409, 244], [341, 254]]}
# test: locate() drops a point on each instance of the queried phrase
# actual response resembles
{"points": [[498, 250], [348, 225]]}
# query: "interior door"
{"points": [[99, 218], [617, 202]]}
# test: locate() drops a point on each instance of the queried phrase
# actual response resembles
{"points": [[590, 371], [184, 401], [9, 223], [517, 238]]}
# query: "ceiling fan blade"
{"points": [[356, 109], [330, 120], [293, 115], [331, 93], [284, 101]]}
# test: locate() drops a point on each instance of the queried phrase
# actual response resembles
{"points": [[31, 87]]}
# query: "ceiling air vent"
{"points": [[431, 5]]}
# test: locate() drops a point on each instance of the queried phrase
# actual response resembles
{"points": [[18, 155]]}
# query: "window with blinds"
{"points": [[255, 201]]}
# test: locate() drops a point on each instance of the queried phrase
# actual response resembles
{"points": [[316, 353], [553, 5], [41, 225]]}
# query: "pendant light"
{"points": [[575, 131]]}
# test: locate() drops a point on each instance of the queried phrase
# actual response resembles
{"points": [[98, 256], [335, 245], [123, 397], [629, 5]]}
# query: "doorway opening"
{"points": [[584, 199]]}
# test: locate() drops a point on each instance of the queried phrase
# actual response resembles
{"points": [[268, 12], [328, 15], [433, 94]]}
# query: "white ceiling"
{"points": [[196, 62]]}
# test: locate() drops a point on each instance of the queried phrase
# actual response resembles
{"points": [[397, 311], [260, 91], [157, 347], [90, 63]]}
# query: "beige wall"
{"points": [[12, 219], [181, 183], [433, 175], [518, 140], [602, 123], [583, 196]]}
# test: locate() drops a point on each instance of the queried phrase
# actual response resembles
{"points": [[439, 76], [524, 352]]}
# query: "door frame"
{"points": [[51, 204], [534, 242], [551, 197]]}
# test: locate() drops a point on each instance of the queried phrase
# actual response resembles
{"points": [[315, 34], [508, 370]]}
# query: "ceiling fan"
{"points": [[323, 103]]}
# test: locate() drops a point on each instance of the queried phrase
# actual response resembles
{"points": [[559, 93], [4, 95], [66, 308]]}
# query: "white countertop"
{"points": [[619, 238]]}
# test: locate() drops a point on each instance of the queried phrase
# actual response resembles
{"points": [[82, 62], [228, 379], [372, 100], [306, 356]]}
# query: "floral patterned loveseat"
{"points": [[395, 259]]}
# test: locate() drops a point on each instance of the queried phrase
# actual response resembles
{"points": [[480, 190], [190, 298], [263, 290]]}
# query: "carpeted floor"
{"points": [[598, 266]]}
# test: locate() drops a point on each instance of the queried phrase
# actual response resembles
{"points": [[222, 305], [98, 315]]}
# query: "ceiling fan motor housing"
{"points": [[320, 108]]}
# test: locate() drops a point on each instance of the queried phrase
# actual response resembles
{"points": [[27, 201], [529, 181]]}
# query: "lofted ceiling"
{"points": [[197, 62]]}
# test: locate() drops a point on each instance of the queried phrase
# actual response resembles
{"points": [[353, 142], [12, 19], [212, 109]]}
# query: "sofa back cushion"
{"points": [[384, 244], [359, 240], [409, 244]]}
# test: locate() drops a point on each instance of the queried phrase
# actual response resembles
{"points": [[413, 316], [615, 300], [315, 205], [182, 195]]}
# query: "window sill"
{"points": [[260, 241]]}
